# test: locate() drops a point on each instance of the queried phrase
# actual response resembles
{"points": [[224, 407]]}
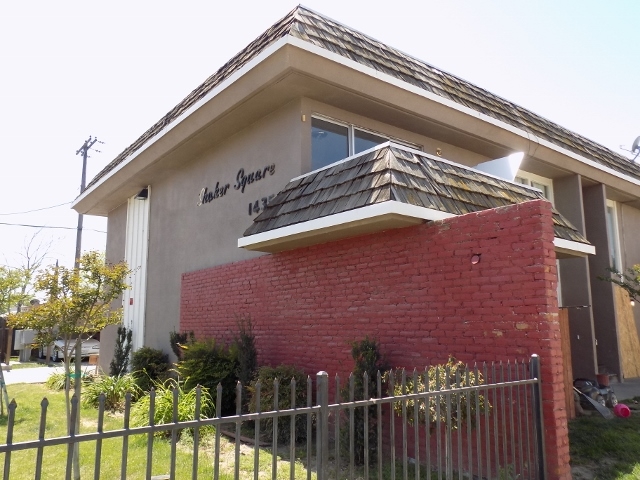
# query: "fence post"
{"points": [[322, 437], [538, 419]]}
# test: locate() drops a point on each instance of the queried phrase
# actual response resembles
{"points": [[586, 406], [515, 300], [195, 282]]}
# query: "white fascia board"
{"points": [[267, 52], [575, 248], [384, 77], [344, 218]]}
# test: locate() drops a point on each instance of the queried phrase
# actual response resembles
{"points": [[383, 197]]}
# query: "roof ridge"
{"points": [[332, 35]]}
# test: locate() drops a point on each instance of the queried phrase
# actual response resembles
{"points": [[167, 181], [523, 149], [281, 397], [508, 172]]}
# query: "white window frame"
{"points": [[351, 128], [613, 229], [531, 178]]}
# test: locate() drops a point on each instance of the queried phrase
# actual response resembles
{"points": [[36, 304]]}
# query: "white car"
{"points": [[89, 346]]}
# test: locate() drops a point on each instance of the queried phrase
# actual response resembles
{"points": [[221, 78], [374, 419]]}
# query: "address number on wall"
{"points": [[259, 205]]}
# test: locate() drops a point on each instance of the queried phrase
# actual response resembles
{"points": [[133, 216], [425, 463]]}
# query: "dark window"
{"points": [[329, 143], [364, 140]]}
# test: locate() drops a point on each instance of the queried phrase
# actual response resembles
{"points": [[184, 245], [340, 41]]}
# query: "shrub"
{"points": [[149, 365], [284, 373], [120, 361], [367, 359], [178, 340], [452, 373], [163, 407], [56, 381], [245, 345], [114, 389], [207, 364]]}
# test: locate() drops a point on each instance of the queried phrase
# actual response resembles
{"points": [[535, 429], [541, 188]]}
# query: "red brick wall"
{"points": [[414, 289]]}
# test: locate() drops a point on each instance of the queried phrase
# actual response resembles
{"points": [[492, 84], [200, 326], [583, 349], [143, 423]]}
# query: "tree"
{"points": [[629, 281], [11, 281], [33, 255], [77, 305]]}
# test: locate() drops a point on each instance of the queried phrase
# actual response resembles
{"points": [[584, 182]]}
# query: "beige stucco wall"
{"points": [[116, 229], [185, 236], [603, 306]]}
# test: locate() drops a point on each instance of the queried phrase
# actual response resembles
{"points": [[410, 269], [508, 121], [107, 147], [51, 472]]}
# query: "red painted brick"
{"points": [[414, 289]]}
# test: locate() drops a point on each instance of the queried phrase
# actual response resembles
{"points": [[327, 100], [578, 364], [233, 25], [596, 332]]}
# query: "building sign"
{"points": [[242, 180]]}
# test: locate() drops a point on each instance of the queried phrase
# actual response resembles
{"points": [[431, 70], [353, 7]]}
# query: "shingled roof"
{"points": [[394, 173], [328, 34]]}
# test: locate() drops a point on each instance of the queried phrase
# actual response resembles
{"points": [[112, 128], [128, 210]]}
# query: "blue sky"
{"points": [[111, 69]]}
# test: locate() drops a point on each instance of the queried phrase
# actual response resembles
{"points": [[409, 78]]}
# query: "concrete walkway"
{"points": [[29, 375], [629, 389], [36, 374]]}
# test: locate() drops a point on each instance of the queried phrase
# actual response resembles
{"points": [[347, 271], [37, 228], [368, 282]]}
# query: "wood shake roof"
{"points": [[393, 173], [323, 32]]}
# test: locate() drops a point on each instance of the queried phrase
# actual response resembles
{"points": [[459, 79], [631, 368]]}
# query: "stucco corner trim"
{"points": [[573, 248], [360, 220]]}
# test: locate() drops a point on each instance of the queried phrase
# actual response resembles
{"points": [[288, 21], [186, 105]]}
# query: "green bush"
{"points": [[149, 365], [453, 373], [163, 407], [56, 381], [114, 389], [244, 345], [207, 364], [367, 359], [284, 374]]}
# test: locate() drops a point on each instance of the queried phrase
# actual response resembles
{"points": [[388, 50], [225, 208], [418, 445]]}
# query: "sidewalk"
{"points": [[629, 389], [29, 375], [35, 374]]}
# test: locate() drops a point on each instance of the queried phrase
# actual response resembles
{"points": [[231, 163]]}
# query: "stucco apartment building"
{"points": [[224, 180]]}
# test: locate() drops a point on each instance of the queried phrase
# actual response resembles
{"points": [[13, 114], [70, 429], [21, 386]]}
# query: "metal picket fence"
{"points": [[482, 422]]}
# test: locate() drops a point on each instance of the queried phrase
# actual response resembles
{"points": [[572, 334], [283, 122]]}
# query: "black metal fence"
{"points": [[476, 422]]}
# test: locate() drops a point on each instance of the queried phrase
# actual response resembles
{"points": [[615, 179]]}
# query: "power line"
{"points": [[47, 226], [37, 209]]}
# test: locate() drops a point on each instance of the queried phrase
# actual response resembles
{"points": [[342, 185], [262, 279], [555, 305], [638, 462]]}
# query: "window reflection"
{"points": [[365, 140], [329, 143]]}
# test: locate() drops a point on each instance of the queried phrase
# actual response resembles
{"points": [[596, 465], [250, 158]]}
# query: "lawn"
{"points": [[605, 449], [28, 398]]}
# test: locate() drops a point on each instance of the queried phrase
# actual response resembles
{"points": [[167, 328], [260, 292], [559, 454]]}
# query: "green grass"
{"points": [[608, 449], [28, 398]]}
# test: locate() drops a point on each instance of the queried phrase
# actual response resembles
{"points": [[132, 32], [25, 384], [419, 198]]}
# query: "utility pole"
{"points": [[84, 150]]}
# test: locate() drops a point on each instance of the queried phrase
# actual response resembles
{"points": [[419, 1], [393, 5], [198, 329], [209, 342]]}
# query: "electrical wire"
{"points": [[48, 226], [37, 209]]}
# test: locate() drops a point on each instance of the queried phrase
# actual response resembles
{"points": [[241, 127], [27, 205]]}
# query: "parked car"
{"points": [[89, 346]]}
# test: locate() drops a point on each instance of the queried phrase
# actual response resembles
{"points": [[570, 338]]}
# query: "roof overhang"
{"points": [[569, 249], [370, 219], [292, 68], [361, 221]]}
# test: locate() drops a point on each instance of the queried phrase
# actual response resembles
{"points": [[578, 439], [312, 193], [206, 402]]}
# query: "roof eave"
{"points": [[361, 221]]}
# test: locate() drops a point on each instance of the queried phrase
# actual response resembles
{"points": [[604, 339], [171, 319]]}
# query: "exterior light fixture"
{"points": [[475, 259], [632, 302], [143, 195]]}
